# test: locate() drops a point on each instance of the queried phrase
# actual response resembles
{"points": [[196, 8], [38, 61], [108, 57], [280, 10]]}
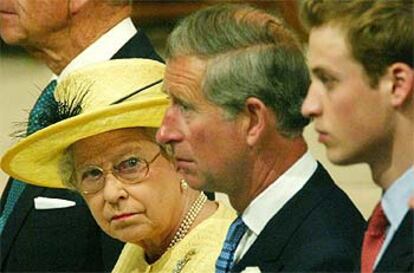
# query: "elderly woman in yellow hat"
{"points": [[104, 147]]}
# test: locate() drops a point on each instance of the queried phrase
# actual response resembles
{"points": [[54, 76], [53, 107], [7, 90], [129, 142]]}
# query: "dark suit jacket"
{"points": [[399, 257], [63, 240], [318, 230]]}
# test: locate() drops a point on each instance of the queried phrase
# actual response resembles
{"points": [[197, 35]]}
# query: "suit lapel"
{"points": [[23, 206], [275, 236], [399, 254], [139, 46]]}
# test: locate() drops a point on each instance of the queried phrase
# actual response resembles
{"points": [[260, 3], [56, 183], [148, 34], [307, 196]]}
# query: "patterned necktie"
{"points": [[225, 261], [373, 239], [44, 106]]}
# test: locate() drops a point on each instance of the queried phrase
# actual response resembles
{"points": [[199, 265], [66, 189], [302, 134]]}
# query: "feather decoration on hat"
{"points": [[56, 111]]}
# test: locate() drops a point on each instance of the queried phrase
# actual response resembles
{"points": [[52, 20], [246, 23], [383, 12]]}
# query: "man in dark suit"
{"points": [[235, 127], [50, 230], [362, 101]]}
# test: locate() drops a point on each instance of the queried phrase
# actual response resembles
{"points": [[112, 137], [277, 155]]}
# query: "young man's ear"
{"points": [[402, 76], [76, 5], [257, 114]]}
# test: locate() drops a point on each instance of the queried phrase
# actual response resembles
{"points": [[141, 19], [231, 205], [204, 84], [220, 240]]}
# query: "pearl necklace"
{"points": [[189, 218]]}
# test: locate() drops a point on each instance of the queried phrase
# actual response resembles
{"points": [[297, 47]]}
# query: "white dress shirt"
{"points": [[262, 209], [395, 205], [102, 49]]}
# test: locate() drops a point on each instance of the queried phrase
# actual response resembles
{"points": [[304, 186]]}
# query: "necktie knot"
{"points": [[234, 234], [373, 239], [236, 231], [378, 222]]}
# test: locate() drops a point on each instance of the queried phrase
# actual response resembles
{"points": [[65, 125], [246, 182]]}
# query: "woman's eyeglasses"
{"points": [[130, 171]]}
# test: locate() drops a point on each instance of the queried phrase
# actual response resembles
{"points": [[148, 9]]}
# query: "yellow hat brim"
{"points": [[36, 159]]}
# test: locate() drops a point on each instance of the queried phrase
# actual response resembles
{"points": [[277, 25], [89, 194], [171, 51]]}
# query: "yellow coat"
{"points": [[196, 253]]}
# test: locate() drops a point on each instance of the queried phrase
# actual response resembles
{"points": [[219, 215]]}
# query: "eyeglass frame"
{"points": [[114, 172]]}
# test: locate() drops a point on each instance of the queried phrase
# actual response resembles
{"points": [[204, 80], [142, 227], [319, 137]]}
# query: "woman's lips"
{"points": [[122, 216]]}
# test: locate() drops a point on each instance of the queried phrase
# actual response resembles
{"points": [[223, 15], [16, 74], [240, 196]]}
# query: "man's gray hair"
{"points": [[249, 53]]}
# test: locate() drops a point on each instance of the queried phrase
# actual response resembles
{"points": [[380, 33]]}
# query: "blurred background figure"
{"points": [[362, 103], [107, 152], [64, 35]]}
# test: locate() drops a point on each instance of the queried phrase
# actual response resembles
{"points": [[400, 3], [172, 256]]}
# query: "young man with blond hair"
{"points": [[361, 100]]}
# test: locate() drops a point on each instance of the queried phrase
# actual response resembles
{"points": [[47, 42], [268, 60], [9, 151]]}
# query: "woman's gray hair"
{"points": [[249, 53], [67, 169]]}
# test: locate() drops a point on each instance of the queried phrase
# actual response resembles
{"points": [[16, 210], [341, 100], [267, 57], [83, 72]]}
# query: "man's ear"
{"points": [[257, 114], [402, 76], [76, 5]]}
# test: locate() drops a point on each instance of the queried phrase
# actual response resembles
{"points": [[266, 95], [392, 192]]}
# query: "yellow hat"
{"points": [[102, 97]]}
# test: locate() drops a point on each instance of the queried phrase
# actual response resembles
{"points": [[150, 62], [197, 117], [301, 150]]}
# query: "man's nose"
{"points": [[311, 106], [170, 131]]}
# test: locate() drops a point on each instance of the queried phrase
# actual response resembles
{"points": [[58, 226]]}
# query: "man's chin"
{"points": [[11, 38], [195, 182], [341, 159]]}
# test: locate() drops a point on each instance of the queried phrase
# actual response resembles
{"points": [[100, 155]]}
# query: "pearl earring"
{"points": [[184, 184]]}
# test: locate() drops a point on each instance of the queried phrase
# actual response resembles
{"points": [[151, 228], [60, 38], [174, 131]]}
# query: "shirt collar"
{"points": [[276, 195], [395, 199], [103, 48]]}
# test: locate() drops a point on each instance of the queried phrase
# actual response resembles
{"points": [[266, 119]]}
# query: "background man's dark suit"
{"points": [[318, 230], [76, 238], [399, 255]]}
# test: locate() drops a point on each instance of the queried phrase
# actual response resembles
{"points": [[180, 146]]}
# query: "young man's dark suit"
{"points": [[318, 230], [71, 234], [399, 254]]}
